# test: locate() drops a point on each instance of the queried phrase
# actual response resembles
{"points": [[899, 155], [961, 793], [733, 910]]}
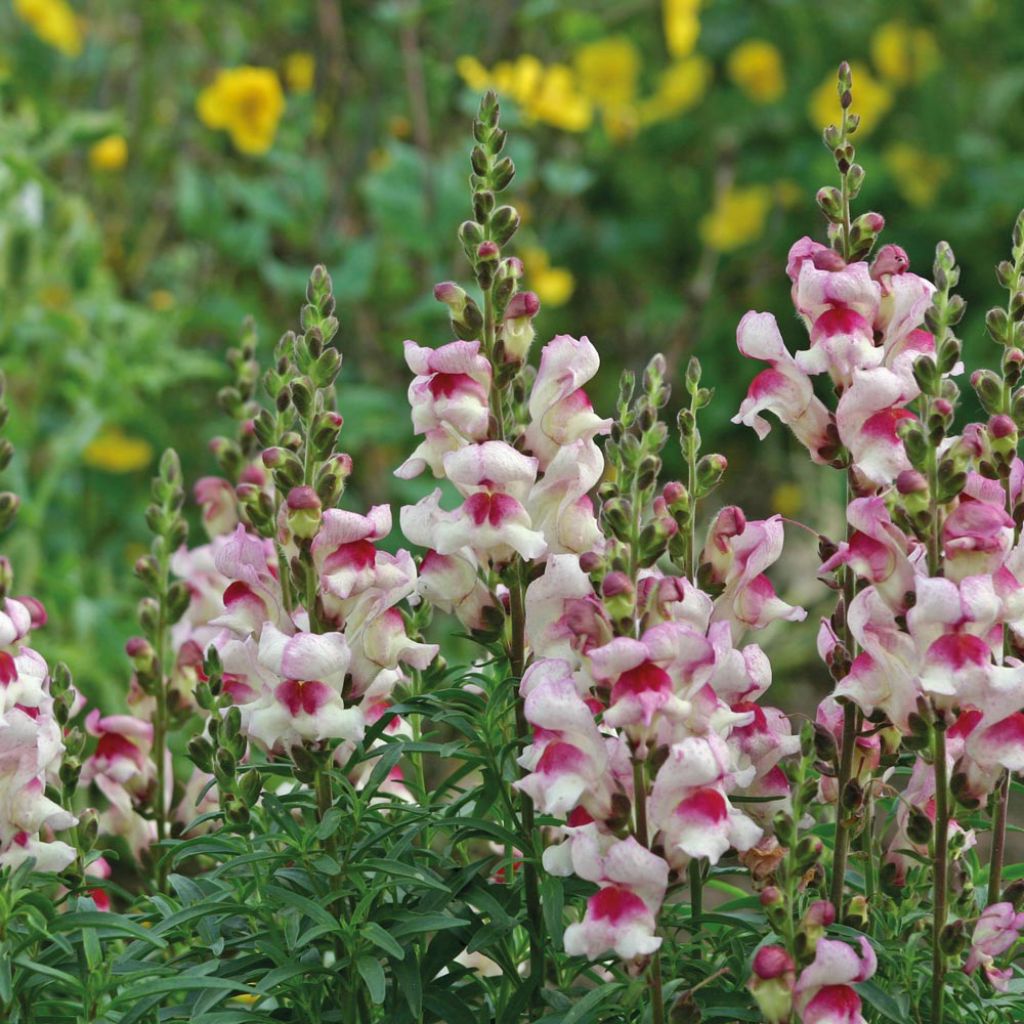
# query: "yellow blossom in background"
{"points": [[681, 87], [472, 72], [607, 71], [788, 193], [918, 175], [55, 296], [247, 103], [109, 154], [787, 499], [755, 66], [903, 53], [543, 93], [300, 71], [554, 285], [871, 99], [682, 25], [161, 300], [399, 126], [737, 218], [113, 451], [54, 22]]}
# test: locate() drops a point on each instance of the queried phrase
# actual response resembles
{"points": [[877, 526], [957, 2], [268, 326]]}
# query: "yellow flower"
{"points": [[737, 218], [871, 99], [903, 53], [300, 71], [607, 71], [682, 25], [918, 175], [161, 300], [558, 102], [473, 73], [681, 87], [756, 67], [247, 103], [54, 22], [399, 126], [554, 285], [787, 499], [109, 154], [112, 451], [788, 193]]}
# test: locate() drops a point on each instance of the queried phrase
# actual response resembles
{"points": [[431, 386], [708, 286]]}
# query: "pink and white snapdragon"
{"points": [[995, 933]]}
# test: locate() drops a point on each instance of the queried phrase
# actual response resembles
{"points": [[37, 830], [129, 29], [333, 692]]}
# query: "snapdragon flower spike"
{"points": [[866, 332]]}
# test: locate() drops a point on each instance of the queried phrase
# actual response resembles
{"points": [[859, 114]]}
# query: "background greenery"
{"points": [[151, 195]]}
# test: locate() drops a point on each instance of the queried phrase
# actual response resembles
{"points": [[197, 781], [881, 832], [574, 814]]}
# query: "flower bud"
{"points": [[518, 331], [304, 512], [771, 983], [452, 296]]}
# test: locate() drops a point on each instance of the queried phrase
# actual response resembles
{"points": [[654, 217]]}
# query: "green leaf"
{"points": [[882, 1002], [415, 924], [382, 940], [407, 978], [372, 973]]}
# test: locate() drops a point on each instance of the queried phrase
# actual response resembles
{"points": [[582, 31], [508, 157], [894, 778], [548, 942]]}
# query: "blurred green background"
{"points": [[168, 167]]}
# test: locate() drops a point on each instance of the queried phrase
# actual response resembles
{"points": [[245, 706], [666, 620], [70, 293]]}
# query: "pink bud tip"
{"points": [[336, 419], [943, 407], [254, 475], [447, 292], [36, 611], [135, 646], [589, 561], [874, 222], [248, 427], [1001, 426], [821, 912], [616, 583], [1014, 355], [272, 457], [303, 498], [523, 304], [827, 259], [910, 481], [673, 491], [771, 962], [770, 896], [488, 251]]}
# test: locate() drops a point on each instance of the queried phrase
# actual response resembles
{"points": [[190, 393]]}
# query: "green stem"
{"points": [[160, 712], [696, 900], [995, 870], [640, 828], [841, 850], [941, 872]]}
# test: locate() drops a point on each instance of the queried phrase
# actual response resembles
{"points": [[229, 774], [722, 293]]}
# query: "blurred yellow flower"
{"points": [[109, 153], [903, 53], [554, 285], [300, 71], [918, 175], [871, 99], [681, 87], [787, 499], [113, 451], [607, 71], [161, 300], [737, 218], [246, 102], [755, 66], [682, 25], [549, 94], [54, 22], [399, 126], [788, 193], [55, 296]]}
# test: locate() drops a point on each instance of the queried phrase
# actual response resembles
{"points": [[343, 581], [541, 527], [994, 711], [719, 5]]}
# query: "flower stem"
{"points": [[842, 841], [160, 711], [640, 828], [941, 871], [995, 870]]}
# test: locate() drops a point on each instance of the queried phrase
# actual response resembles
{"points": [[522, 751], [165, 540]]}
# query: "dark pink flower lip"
{"points": [[491, 508], [615, 905], [449, 385], [358, 554], [8, 669], [560, 757], [705, 804], [645, 678], [960, 650], [833, 1003], [300, 696]]}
